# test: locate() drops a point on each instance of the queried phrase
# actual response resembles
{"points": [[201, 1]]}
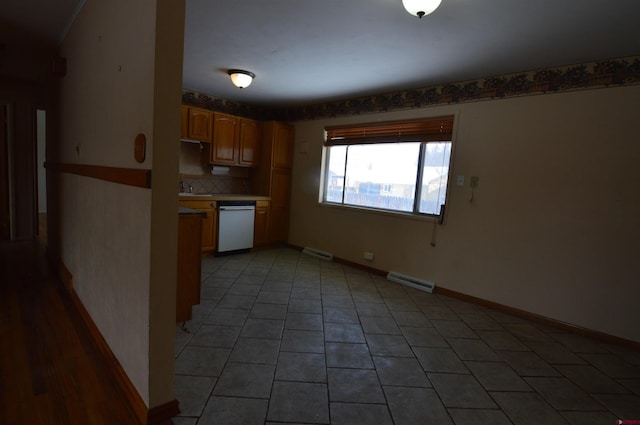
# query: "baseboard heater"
{"points": [[413, 282], [327, 256]]}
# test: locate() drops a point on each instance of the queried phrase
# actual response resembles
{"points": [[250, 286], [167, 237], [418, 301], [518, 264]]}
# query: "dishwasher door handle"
{"points": [[237, 208]]}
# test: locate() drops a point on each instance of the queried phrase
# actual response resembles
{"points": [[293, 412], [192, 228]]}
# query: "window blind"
{"points": [[422, 130]]}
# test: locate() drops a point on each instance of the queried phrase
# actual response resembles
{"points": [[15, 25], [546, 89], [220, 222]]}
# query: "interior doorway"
{"points": [[5, 174], [41, 175], [23, 186]]}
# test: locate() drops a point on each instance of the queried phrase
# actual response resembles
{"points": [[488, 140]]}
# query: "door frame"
{"points": [[7, 206]]}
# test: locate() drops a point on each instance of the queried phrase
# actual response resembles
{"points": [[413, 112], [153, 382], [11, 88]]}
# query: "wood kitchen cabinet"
{"points": [[196, 123], [249, 143], [280, 199], [273, 176], [209, 237], [261, 224], [236, 141], [189, 265], [184, 133], [282, 136], [224, 149]]}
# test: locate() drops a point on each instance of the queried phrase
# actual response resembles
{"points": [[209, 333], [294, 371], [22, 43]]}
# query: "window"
{"points": [[397, 166]]}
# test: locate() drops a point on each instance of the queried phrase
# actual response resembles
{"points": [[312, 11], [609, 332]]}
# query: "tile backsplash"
{"points": [[217, 184], [207, 179]]}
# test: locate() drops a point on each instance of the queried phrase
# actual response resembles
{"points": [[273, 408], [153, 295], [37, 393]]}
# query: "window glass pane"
{"points": [[335, 174], [382, 175], [434, 177]]}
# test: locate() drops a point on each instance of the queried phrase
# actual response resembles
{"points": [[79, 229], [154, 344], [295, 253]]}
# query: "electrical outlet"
{"points": [[368, 256], [473, 182], [460, 181]]}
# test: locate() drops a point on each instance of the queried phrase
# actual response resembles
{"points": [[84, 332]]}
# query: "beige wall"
{"points": [[119, 242], [164, 218], [553, 228]]}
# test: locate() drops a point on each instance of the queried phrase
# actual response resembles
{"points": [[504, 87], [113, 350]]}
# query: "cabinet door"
{"points": [[199, 124], [209, 222], [225, 139], [184, 133], [283, 146], [278, 224], [188, 289], [261, 224], [280, 187], [279, 211], [249, 143]]}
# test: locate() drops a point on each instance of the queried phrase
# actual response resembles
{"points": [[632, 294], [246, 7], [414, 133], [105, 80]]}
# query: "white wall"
{"points": [[553, 228], [119, 242]]}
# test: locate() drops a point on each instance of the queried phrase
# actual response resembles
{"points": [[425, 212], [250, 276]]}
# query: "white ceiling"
{"points": [[306, 51]]}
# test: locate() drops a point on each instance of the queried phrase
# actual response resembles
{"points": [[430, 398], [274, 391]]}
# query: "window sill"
{"points": [[387, 213]]}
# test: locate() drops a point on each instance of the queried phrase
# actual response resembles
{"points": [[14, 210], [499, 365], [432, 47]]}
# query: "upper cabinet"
{"points": [[281, 138], [196, 123], [184, 134], [225, 139], [249, 149], [236, 141]]}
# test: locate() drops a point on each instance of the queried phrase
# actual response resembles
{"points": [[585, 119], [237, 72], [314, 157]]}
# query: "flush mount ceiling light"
{"points": [[420, 8], [240, 78]]}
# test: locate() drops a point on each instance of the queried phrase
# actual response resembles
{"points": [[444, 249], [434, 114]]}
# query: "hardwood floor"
{"points": [[50, 371]]}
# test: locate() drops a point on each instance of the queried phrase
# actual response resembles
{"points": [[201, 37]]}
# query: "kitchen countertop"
{"points": [[221, 197]]}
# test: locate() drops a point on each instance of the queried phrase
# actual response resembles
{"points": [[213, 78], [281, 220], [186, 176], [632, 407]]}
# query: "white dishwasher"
{"points": [[235, 226]]}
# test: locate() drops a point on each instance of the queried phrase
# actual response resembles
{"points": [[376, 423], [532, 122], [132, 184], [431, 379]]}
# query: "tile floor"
{"points": [[281, 337]]}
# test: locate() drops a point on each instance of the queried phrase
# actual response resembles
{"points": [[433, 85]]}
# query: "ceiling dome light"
{"points": [[420, 8], [240, 78]]}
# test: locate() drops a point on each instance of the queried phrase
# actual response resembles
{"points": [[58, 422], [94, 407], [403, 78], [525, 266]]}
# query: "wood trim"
{"points": [[137, 405], [65, 276], [129, 391], [590, 333], [128, 176], [159, 415]]}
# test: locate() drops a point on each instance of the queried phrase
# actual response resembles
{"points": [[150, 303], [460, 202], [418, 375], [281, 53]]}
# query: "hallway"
{"points": [[50, 370]]}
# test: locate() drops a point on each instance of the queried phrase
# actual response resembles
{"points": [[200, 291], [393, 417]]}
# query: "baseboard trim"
{"points": [[129, 391], [537, 318], [144, 416], [161, 414], [543, 320], [65, 276]]}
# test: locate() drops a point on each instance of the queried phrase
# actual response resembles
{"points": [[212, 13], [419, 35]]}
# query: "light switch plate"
{"points": [[460, 181]]}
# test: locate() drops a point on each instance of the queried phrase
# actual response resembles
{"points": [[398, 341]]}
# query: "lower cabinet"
{"points": [[261, 224], [188, 281], [264, 230], [279, 224], [209, 223]]}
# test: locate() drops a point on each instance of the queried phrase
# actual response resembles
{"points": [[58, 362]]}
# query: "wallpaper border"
{"points": [[592, 75]]}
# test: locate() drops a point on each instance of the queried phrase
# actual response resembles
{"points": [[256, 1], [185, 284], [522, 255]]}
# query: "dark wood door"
{"points": [[5, 216]]}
